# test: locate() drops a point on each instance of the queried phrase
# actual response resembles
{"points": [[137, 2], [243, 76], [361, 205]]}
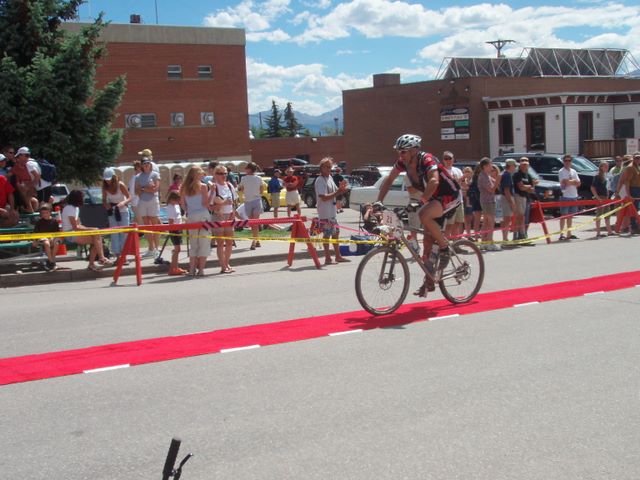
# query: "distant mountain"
{"points": [[315, 123]]}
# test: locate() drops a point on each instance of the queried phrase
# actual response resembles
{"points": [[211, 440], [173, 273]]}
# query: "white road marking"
{"points": [[238, 349], [525, 304], [594, 293], [346, 332], [106, 369], [444, 317]]}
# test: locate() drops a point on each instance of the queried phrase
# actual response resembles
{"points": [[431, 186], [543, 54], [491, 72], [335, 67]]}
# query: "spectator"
{"points": [[507, 201], [223, 199], [455, 223], [614, 173], [194, 201], [487, 187], [115, 200], [209, 177], [177, 183], [4, 171], [337, 178], [274, 188], [46, 224], [524, 185], [252, 186], [293, 196], [174, 217], [71, 223], [601, 192], [629, 186], [371, 218], [474, 197], [326, 192], [569, 182], [147, 153], [10, 154], [25, 181], [9, 216], [465, 184], [137, 168], [147, 187]]}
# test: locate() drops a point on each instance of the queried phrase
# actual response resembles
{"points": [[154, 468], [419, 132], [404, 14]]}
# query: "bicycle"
{"points": [[382, 278]]}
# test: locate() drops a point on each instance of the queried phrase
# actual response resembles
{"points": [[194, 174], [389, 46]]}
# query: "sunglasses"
{"points": [[448, 158], [220, 173]]}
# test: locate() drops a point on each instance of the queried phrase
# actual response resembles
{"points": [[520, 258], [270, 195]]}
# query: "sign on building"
{"points": [[455, 123]]}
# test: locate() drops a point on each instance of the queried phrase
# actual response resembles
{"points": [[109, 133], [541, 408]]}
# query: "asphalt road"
{"points": [[544, 391]]}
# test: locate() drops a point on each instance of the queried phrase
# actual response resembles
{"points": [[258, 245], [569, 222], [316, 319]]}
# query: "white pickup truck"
{"points": [[398, 196]]}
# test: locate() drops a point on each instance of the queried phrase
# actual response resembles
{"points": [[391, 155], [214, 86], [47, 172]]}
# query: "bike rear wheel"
{"points": [[382, 281], [462, 277]]}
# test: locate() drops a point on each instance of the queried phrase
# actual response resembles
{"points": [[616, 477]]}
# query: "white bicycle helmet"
{"points": [[408, 140]]}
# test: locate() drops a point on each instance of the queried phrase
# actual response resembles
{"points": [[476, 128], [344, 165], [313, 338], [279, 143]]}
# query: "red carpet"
{"points": [[56, 364]]}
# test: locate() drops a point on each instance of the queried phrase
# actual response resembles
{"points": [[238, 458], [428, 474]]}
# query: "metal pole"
{"points": [[156, 4]]}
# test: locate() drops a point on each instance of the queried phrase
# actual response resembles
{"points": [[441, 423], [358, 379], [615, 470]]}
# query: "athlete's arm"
{"points": [[433, 180]]}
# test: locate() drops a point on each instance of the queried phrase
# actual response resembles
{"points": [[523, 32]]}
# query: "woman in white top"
{"points": [[71, 222], [115, 200], [222, 202]]}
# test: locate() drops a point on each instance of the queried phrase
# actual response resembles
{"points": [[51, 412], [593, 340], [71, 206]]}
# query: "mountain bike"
{"points": [[382, 278]]}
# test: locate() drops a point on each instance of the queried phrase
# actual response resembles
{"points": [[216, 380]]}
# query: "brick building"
{"points": [[186, 96], [483, 106]]}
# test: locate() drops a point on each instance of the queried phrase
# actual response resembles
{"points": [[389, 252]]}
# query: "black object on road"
{"points": [[168, 471]]}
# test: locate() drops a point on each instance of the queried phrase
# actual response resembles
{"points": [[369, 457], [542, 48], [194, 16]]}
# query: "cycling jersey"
{"points": [[448, 192]]}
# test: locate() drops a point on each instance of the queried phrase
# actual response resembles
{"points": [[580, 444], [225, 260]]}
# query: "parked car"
{"points": [[308, 192], [59, 192], [549, 164], [370, 174]]}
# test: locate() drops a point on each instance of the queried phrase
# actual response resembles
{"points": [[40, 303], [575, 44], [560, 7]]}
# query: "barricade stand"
{"points": [[299, 230], [131, 247], [537, 207], [628, 211]]}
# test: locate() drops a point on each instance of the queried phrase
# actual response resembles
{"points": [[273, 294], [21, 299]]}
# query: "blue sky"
{"points": [[308, 51]]}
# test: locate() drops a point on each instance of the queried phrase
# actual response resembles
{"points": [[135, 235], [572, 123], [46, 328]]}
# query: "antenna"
{"points": [[499, 45]]}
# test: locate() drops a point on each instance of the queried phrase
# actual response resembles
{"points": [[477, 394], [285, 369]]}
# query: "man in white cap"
{"points": [[27, 176]]}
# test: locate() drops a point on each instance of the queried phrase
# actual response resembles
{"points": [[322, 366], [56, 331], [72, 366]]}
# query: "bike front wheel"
{"points": [[462, 277], [382, 280]]}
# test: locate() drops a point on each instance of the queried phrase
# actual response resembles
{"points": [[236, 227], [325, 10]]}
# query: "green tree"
{"points": [[274, 122], [291, 125], [48, 99]]}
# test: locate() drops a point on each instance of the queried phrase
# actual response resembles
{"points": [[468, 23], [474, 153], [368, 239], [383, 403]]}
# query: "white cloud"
{"points": [[255, 17], [274, 36], [308, 87]]}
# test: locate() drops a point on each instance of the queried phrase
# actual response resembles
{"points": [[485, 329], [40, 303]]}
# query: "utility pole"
{"points": [[499, 45], [156, 4]]}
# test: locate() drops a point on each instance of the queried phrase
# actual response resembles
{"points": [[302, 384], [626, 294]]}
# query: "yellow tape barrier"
{"points": [[345, 241]]}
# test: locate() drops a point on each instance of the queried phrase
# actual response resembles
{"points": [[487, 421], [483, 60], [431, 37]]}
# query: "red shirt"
{"points": [[6, 189], [291, 179]]}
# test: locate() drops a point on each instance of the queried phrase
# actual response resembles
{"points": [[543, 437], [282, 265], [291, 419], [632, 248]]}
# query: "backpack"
{"points": [[48, 171]]}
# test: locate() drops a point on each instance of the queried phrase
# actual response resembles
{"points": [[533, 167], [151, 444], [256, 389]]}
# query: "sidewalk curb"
{"points": [[65, 276]]}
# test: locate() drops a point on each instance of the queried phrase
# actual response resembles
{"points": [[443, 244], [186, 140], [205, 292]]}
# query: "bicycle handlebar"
{"points": [[170, 462]]}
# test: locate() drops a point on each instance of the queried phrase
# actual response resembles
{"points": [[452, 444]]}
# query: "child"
{"points": [[292, 196], [175, 217], [46, 224]]}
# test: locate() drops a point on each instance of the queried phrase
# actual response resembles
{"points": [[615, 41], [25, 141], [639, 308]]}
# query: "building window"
{"points": [[505, 129], [205, 71], [140, 120], [207, 119], [623, 128], [174, 71], [177, 119]]}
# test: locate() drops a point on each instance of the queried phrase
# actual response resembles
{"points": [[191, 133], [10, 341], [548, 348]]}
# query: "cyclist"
{"points": [[440, 193]]}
